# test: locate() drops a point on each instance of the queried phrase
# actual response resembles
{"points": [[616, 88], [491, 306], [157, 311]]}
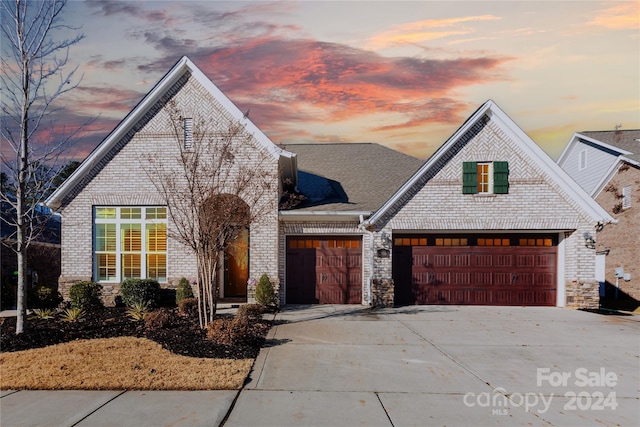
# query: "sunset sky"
{"points": [[402, 74]]}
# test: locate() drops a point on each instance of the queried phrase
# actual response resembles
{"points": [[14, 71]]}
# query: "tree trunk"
{"points": [[21, 225]]}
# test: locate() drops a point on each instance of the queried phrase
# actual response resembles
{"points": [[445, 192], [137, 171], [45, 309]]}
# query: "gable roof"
{"points": [[491, 110], [621, 143], [184, 65], [354, 178]]}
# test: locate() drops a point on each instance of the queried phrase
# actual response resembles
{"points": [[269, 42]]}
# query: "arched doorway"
{"points": [[225, 220]]}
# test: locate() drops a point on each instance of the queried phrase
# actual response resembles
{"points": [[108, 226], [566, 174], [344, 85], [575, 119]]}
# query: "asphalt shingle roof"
{"points": [[350, 176], [628, 140]]}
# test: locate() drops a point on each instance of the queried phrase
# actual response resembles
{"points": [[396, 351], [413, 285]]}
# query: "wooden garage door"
{"points": [[324, 270], [475, 270]]}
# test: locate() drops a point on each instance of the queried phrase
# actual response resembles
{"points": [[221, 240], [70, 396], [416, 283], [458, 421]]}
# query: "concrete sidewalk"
{"points": [[429, 365]]}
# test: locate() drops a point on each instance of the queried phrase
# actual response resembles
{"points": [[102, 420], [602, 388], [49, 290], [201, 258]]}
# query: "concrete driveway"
{"points": [[411, 366], [442, 365]]}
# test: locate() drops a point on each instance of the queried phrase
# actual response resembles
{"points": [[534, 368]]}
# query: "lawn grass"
{"points": [[123, 363]]}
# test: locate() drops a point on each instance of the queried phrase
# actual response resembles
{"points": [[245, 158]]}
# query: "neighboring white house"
{"points": [[488, 219]]}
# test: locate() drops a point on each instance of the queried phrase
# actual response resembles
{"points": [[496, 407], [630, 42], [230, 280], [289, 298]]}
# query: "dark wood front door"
{"points": [[324, 270], [509, 274]]}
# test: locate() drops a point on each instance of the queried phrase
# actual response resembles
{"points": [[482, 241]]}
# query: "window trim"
{"points": [[119, 251], [498, 178]]}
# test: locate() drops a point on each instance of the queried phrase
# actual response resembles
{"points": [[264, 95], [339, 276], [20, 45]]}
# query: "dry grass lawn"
{"points": [[124, 363]]}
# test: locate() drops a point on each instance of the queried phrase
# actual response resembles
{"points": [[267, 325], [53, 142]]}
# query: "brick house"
{"points": [[606, 164], [488, 219]]}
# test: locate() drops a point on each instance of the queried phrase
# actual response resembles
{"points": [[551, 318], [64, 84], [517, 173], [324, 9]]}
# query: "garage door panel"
{"points": [[498, 275], [330, 273]]}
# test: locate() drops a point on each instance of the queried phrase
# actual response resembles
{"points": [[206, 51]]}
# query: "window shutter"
{"points": [[469, 177], [500, 177]]}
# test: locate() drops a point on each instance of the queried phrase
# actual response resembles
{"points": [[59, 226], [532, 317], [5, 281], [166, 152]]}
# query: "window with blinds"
{"points": [[130, 243]]}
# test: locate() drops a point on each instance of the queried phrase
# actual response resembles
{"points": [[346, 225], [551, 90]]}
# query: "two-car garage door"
{"points": [[478, 270], [324, 270], [428, 269]]}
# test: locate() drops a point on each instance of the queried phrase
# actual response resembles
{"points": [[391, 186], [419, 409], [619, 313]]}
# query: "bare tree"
{"points": [[33, 77], [220, 184]]}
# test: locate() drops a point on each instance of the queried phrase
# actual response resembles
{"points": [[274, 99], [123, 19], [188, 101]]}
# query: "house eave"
{"points": [[294, 215]]}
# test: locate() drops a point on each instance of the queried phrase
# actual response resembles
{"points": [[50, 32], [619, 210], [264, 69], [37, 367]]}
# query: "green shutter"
{"points": [[500, 177], [469, 177]]}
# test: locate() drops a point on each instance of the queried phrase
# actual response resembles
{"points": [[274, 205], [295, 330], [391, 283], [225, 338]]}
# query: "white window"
{"points": [[130, 243], [188, 133], [626, 197], [583, 160], [485, 178]]}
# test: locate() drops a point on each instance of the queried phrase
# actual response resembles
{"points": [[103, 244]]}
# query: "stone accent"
{"points": [[584, 295], [382, 291]]}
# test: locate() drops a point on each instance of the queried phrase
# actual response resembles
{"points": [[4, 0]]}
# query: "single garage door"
{"points": [[324, 270], [475, 270]]}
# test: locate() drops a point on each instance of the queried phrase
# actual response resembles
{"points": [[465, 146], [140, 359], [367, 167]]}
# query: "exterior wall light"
{"points": [[386, 238], [589, 241]]}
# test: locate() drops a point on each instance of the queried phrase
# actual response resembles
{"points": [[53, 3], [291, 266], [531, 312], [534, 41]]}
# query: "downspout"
{"points": [[363, 228]]}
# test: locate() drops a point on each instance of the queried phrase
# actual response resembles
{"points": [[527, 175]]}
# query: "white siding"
{"points": [[598, 162]]}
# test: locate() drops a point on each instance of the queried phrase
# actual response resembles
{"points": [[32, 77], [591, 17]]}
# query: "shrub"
{"points": [[183, 290], [221, 331], [86, 295], [157, 319], [72, 314], [249, 312], [138, 310], [43, 297], [140, 291], [44, 313], [265, 292], [188, 307]]}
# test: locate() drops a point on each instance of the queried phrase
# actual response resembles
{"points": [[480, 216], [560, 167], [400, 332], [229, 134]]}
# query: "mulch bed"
{"points": [[181, 335]]}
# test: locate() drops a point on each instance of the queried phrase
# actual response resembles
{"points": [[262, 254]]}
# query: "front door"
{"points": [[236, 266]]}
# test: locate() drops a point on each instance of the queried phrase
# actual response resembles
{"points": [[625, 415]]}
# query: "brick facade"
{"points": [[622, 240], [535, 203], [121, 179]]}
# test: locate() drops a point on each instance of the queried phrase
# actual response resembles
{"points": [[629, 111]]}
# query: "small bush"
{"points": [[250, 312], [221, 331], [157, 319], [140, 291], [43, 297], [183, 290], [265, 292], [72, 314], [44, 313], [138, 310], [188, 307], [86, 295]]}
